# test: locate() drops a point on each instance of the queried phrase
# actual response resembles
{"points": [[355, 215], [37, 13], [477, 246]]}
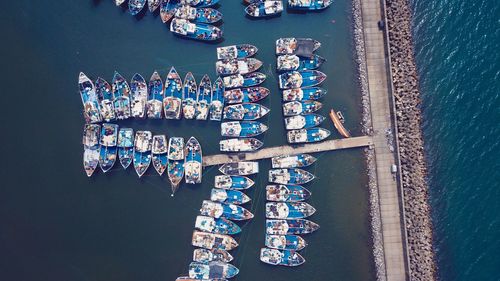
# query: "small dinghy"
{"points": [[155, 97], [229, 196], [307, 135], [89, 99], [193, 161], [237, 66], [197, 31], [159, 151], [285, 242], [153, 5], [246, 80], [299, 94], [217, 104], [301, 107], [119, 2], [109, 140], [105, 97], [289, 210], [292, 161], [204, 98], [219, 226], [302, 78], [242, 129], [309, 5], [294, 62], [287, 193], [303, 121], [243, 168], [290, 176], [121, 96], [136, 6], [228, 211], [172, 103], [264, 9], [139, 96], [239, 95], [303, 47], [167, 9], [281, 257], [213, 241], [245, 111], [211, 270], [91, 150], [201, 3], [206, 255], [175, 165], [200, 15], [286, 227], [142, 151], [126, 146], [240, 145], [190, 92], [233, 182], [236, 51]]}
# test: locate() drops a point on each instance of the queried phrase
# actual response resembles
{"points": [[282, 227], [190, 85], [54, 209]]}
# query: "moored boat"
{"points": [[203, 98], [119, 2], [213, 241], [197, 31], [292, 161], [307, 135], [155, 97], [211, 270], [304, 47], [136, 6], [240, 145], [286, 193], [301, 78], [193, 161], [245, 111], [172, 102], [233, 182], [105, 97], [294, 62], [138, 96], [167, 9], [251, 94], [245, 80], [285, 242], [91, 150], [290, 176], [159, 151], [301, 107], [236, 51], [189, 95], [153, 5], [175, 164], [229, 196], [142, 151], [121, 96], [109, 138], [295, 226], [201, 3], [228, 211], [309, 5], [219, 225], [89, 99], [289, 210], [300, 94], [187, 278], [243, 168], [281, 257], [201, 15], [303, 121], [217, 100], [206, 255], [237, 66], [242, 129], [126, 146], [265, 8]]}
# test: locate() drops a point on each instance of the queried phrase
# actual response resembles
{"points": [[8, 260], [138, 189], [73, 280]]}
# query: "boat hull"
{"points": [[289, 210], [307, 135], [160, 163], [216, 225], [281, 257], [293, 176], [233, 182], [287, 193], [286, 227], [285, 242], [229, 196], [126, 155], [107, 158]]}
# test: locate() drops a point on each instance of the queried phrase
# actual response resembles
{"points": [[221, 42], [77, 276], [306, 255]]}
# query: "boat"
{"points": [[233, 182], [301, 94], [301, 107], [263, 9], [286, 193], [242, 129], [136, 6], [244, 168], [155, 97], [121, 96], [303, 121], [307, 135], [91, 148], [229, 196], [251, 94], [228, 211], [237, 66], [206, 255], [294, 62], [217, 104], [303, 47], [290, 176], [105, 98], [119, 2], [213, 241], [211, 270], [285, 242], [142, 151], [309, 5], [197, 31], [167, 9], [172, 102], [292, 161], [189, 96], [302, 78], [138, 96], [159, 151], [108, 142], [89, 99], [337, 122], [201, 3], [245, 80], [213, 225], [203, 98], [193, 161], [245, 111], [289, 210], [200, 15], [286, 227], [281, 257], [153, 5], [240, 145], [126, 146], [236, 51], [175, 163], [187, 278]]}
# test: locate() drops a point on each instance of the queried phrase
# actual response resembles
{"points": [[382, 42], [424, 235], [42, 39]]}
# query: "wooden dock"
{"points": [[270, 152]]}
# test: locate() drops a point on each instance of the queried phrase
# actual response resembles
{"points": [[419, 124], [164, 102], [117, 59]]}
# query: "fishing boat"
{"points": [[187, 278], [286, 227], [303, 121], [281, 257], [237, 66], [159, 151], [167, 9], [229, 196], [242, 129], [240, 145], [233, 182], [245, 111], [264, 9], [301, 107], [294, 62], [109, 138], [338, 123], [206, 255], [201, 3], [119, 2], [193, 161], [204, 98], [153, 5], [201, 15], [175, 164], [138, 96], [213, 241], [155, 96], [251, 94], [303, 47], [292, 161], [289, 210], [228, 211], [136, 6], [246, 80], [290, 176], [126, 146], [301, 94], [172, 102], [89, 99], [91, 150], [121, 96], [219, 226], [142, 151], [302, 78], [105, 97], [236, 51], [217, 100], [197, 31], [286, 193], [189, 96], [309, 5], [307, 135], [285, 242], [211, 270], [244, 168]]}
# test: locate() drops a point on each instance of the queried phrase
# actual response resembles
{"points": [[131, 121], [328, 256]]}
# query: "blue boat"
{"points": [[301, 94], [217, 104], [213, 241], [138, 96], [155, 97], [236, 51], [229, 196], [301, 107], [245, 111], [136, 6], [285, 242], [289, 210], [303, 121], [309, 5], [290, 176], [159, 151], [206, 255], [242, 129], [193, 161], [121, 96], [286, 193], [201, 3], [213, 225], [172, 102], [286, 227], [105, 97], [281, 257], [228, 211], [189, 96], [264, 9], [204, 98], [167, 9], [292, 161], [246, 80], [175, 165], [142, 151], [109, 138], [302, 47], [307, 135], [251, 94], [89, 99], [200, 15], [294, 62], [242, 168], [197, 31], [233, 182], [302, 78], [240, 145], [211, 270], [237, 66], [153, 5], [91, 147], [125, 146]]}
